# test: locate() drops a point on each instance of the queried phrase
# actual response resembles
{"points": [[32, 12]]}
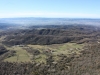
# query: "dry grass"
{"points": [[21, 55], [56, 50]]}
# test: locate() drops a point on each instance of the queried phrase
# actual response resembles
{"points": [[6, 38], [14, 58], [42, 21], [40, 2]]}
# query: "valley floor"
{"points": [[22, 55]]}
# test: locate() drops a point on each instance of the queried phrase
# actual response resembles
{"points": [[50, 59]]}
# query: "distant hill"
{"points": [[5, 25], [50, 21], [53, 35]]}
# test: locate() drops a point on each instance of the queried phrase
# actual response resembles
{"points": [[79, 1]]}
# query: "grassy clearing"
{"points": [[21, 55], [2, 38], [40, 58], [65, 48], [56, 50]]}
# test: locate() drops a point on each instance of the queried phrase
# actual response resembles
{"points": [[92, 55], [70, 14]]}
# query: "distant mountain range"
{"points": [[13, 23], [50, 21]]}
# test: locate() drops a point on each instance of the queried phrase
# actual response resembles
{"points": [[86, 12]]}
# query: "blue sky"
{"points": [[50, 8]]}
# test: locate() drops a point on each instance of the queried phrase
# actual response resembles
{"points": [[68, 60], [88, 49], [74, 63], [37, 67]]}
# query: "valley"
{"points": [[50, 50], [22, 54]]}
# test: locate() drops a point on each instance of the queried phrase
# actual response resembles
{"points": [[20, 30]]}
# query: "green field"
{"points": [[21, 55], [55, 50]]}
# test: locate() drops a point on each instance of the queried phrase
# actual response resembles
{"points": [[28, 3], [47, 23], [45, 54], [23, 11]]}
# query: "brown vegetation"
{"points": [[80, 34], [85, 63]]}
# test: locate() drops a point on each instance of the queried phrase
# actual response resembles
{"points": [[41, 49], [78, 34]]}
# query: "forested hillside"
{"points": [[50, 50], [54, 35]]}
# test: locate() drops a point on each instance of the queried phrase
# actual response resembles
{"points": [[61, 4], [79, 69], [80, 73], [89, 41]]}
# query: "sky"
{"points": [[50, 8]]}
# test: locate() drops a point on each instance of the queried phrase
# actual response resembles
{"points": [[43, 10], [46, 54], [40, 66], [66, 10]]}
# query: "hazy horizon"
{"points": [[50, 21]]}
